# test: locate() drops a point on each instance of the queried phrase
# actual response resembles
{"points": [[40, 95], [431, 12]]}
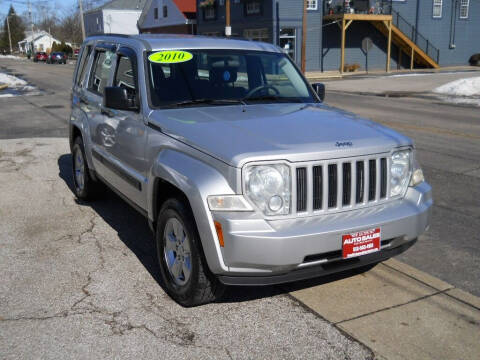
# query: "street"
{"points": [[80, 280]]}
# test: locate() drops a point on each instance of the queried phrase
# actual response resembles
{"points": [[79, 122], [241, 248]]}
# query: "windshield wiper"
{"points": [[274, 98], [208, 102]]}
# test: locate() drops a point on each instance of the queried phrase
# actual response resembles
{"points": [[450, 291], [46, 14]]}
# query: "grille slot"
{"points": [[351, 183], [360, 181], [383, 179], [347, 184], [332, 185], [372, 176], [301, 189], [317, 187]]}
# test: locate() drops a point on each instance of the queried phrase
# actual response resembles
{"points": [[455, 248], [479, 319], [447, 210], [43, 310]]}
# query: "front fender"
{"points": [[197, 180]]}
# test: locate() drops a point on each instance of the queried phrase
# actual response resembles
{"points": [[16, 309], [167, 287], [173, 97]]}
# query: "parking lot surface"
{"points": [[81, 281]]}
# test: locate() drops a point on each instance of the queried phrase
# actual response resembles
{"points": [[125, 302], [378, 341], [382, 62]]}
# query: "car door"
{"points": [[100, 129], [123, 132]]}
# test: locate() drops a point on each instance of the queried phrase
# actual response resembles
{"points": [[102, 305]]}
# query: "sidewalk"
{"points": [[401, 313], [314, 76]]}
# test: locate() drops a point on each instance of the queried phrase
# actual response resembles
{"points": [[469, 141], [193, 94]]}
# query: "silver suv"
{"points": [[244, 175]]}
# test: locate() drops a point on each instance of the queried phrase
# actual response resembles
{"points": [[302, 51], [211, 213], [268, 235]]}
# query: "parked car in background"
{"points": [[75, 53], [40, 56], [57, 58]]}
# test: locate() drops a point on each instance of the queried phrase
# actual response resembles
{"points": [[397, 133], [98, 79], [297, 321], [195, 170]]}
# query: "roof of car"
{"points": [[168, 41]]}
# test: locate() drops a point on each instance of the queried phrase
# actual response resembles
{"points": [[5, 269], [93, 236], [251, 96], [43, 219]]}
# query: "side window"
{"points": [[100, 71], [125, 77], [82, 65]]}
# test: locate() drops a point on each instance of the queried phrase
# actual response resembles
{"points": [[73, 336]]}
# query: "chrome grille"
{"points": [[341, 184]]}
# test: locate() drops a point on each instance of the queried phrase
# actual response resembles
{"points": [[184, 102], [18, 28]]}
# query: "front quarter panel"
{"points": [[197, 175]]}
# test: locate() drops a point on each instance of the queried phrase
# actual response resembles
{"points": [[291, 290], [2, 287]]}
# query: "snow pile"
{"points": [[15, 87], [11, 57], [462, 87]]}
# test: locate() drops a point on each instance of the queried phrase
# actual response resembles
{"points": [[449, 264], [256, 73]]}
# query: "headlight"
{"points": [[417, 174], [400, 172], [268, 187]]}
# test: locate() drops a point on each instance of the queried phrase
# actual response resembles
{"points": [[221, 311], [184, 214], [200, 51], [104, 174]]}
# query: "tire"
{"points": [[183, 267], [84, 186]]}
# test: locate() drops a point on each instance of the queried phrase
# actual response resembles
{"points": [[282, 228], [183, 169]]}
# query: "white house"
{"points": [[115, 17], [42, 41]]}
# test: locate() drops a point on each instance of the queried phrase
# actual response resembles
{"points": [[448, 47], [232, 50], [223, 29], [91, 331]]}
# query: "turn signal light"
{"points": [[218, 227]]}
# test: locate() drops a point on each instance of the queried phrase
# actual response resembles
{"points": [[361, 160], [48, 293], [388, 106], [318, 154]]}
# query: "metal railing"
{"points": [[357, 7], [411, 32]]}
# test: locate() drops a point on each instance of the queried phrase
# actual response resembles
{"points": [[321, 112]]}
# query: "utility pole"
{"points": [[81, 19], [9, 34], [228, 27], [304, 35], [31, 23]]}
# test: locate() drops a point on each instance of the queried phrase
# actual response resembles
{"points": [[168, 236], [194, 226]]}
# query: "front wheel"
{"points": [[85, 187], [183, 266]]}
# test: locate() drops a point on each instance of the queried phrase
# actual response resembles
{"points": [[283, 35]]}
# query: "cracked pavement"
{"points": [[80, 281]]}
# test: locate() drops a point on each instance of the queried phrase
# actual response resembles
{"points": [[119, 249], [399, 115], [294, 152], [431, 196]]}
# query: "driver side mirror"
{"points": [[319, 88], [116, 97]]}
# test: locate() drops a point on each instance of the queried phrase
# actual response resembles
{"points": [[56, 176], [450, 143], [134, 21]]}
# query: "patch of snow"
{"points": [[462, 87], [15, 87], [11, 80], [11, 57]]}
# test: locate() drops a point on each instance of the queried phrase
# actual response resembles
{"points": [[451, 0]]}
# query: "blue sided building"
{"points": [[350, 34]]}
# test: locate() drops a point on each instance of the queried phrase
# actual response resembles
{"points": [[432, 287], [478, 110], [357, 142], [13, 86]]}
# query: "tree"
{"points": [[17, 30]]}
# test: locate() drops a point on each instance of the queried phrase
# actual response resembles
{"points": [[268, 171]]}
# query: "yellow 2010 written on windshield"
{"points": [[170, 57]]}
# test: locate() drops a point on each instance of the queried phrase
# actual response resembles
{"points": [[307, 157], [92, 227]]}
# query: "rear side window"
{"points": [[125, 77], [82, 65], [100, 71]]}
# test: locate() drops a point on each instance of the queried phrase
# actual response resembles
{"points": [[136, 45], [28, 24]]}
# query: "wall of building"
{"points": [[239, 21], [174, 16], [290, 16], [441, 32], [120, 21], [93, 22]]}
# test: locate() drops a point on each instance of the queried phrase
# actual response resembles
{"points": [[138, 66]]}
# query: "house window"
{"points": [[253, 8], [155, 13], [437, 8], [256, 34], [165, 11], [312, 4], [464, 5], [209, 13]]}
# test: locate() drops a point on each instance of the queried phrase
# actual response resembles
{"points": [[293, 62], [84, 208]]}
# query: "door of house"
{"points": [[288, 38]]}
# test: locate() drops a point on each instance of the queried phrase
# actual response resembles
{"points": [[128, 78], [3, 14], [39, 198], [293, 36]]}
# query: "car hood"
{"points": [[294, 132]]}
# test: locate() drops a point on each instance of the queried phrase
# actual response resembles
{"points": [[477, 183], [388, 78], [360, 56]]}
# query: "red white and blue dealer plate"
{"points": [[361, 243]]}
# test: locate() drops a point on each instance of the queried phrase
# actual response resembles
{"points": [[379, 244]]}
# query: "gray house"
{"points": [[397, 33], [169, 17]]}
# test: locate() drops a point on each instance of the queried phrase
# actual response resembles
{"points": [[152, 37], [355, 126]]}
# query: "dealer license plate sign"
{"points": [[361, 243]]}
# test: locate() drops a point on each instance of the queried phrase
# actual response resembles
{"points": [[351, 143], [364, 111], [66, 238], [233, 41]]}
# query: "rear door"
{"points": [[101, 129], [126, 131]]}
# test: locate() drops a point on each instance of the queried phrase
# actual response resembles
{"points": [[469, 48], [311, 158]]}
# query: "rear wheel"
{"points": [[85, 187], [182, 263]]}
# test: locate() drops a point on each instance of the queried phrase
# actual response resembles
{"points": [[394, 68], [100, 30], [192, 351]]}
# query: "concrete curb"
{"points": [[400, 312]]}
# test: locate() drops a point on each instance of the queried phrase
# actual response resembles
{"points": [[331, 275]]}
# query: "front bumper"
{"points": [[259, 252]]}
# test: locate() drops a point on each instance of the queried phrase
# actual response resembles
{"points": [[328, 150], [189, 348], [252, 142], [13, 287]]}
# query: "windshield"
{"points": [[220, 77]]}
